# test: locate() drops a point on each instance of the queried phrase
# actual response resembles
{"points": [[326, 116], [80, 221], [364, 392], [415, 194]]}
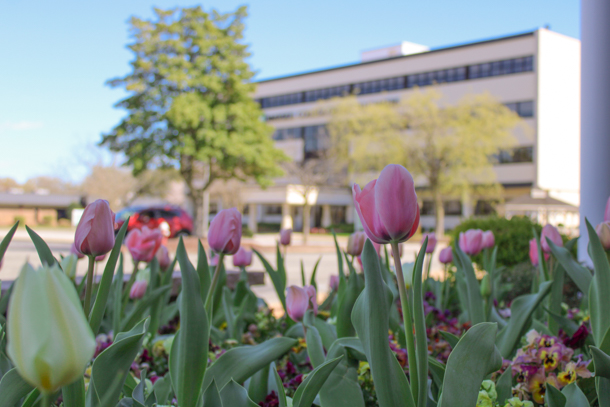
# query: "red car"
{"points": [[172, 220]]}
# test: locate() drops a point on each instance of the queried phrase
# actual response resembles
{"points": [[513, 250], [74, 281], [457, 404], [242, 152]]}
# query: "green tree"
{"points": [[447, 147], [190, 104]]}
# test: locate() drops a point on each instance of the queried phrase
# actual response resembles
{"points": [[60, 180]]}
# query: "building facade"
{"points": [[535, 74]]}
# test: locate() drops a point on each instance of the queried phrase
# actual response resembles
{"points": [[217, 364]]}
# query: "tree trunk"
{"points": [[197, 200], [439, 214], [306, 222]]}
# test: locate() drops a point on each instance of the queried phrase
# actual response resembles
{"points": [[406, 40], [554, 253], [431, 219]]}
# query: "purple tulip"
{"points": [[334, 282], [225, 231], [488, 239], [431, 241], [552, 233], [138, 289], [95, 231], [471, 241], [387, 206], [446, 255], [298, 300], [285, 235], [243, 258], [163, 257]]}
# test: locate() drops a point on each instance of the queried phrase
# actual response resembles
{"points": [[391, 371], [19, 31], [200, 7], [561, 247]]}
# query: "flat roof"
{"points": [[439, 49], [38, 200]]}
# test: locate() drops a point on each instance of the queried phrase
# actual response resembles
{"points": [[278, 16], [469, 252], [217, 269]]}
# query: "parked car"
{"points": [[172, 220]]}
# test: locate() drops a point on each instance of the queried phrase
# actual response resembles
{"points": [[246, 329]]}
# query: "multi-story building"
{"points": [[536, 74]]}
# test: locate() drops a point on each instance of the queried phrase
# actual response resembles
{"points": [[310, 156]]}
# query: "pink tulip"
{"points": [[355, 243], [552, 233], [95, 231], [75, 252], [214, 260], [334, 282], [138, 289], [101, 257], [534, 252], [603, 231], [471, 241], [163, 257], [431, 241], [296, 302], [446, 255], [488, 239], [143, 244], [607, 212], [225, 231], [313, 298], [387, 206], [285, 236], [243, 258]]}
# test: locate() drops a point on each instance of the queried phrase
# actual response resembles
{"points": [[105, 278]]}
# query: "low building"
{"points": [[37, 209]]}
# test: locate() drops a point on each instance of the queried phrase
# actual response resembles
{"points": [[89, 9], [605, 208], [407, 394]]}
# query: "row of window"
{"points": [[516, 155], [476, 71], [454, 208]]}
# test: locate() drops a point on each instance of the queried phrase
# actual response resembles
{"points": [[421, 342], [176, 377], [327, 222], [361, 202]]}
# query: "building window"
{"points": [[475, 71], [485, 208], [287, 134], [427, 208], [316, 140], [516, 155], [453, 207], [273, 209], [523, 109]]}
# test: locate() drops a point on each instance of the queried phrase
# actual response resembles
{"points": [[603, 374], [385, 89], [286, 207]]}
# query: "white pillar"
{"points": [[467, 209], [253, 217], [327, 220], [206, 214], [286, 217], [595, 119]]}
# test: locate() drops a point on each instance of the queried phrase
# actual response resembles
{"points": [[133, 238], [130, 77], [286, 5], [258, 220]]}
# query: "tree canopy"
{"points": [[190, 102]]}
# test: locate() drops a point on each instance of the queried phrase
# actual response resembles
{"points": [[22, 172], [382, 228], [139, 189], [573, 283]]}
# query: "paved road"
{"points": [[22, 250]]}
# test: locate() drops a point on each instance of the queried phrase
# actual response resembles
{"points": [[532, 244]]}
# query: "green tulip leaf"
{"points": [[341, 388], [315, 349], [521, 309], [137, 312], [599, 300], [281, 393], [117, 292], [421, 339], [474, 357], [45, 254], [232, 394], [13, 388], [556, 297], [580, 275], [601, 361], [7, 240], [162, 389], [138, 391], [189, 352], [437, 369], [339, 257], [476, 306], [111, 367], [74, 394], [348, 293], [281, 269], [203, 270], [370, 317], [449, 337], [242, 362], [554, 397], [99, 306], [228, 311], [258, 388], [312, 280], [276, 278], [309, 388], [211, 396], [504, 385]]}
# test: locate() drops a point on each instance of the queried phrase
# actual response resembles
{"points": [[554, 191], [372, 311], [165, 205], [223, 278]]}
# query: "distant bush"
{"points": [[47, 220], [246, 232], [512, 237], [20, 219], [341, 228]]}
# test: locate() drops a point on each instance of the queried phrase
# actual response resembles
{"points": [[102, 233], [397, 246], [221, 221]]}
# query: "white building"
{"points": [[536, 74]]}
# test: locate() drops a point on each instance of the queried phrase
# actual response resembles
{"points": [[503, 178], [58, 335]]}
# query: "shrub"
{"points": [[512, 237], [47, 220], [20, 219]]}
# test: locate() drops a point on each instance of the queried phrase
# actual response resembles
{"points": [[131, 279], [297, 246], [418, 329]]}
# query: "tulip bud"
{"points": [[355, 243], [387, 206], [143, 244], [431, 241], [603, 231], [49, 339], [334, 282], [224, 235], [534, 252], [298, 300], [285, 235], [486, 286], [75, 252], [163, 257], [243, 258], [138, 289], [488, 239], [551, 232], [471, 241], [446, 255], [95, 231]]}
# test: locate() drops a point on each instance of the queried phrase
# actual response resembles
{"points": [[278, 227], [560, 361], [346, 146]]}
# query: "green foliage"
{"points": [[189, 102], [512, 237]]}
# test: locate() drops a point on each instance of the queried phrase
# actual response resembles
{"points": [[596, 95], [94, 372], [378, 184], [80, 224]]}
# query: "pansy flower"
{"points": [[546, 341], [550, 357]]}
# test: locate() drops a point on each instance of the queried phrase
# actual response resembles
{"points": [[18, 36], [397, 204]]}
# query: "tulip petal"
{"points": [[364, 202], [396, 201], [297, 301]]}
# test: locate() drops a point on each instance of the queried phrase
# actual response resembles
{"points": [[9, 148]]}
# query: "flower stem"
{"points": [[89, 286], [208, 300], [408, 322], [46, 397]]}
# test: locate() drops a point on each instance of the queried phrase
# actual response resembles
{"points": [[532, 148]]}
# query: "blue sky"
{"points": [[56, 56]]}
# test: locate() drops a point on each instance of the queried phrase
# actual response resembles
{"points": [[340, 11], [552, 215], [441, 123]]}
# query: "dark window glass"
{"points": [[461, 74], [485, 208], [523, 155], [453, 207], [496, 68], [528, 64], [273, 209], [411, 81], [485, 70], [315, 138], [474, 71], [427, 208], [526, 109], [512, 107]]}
